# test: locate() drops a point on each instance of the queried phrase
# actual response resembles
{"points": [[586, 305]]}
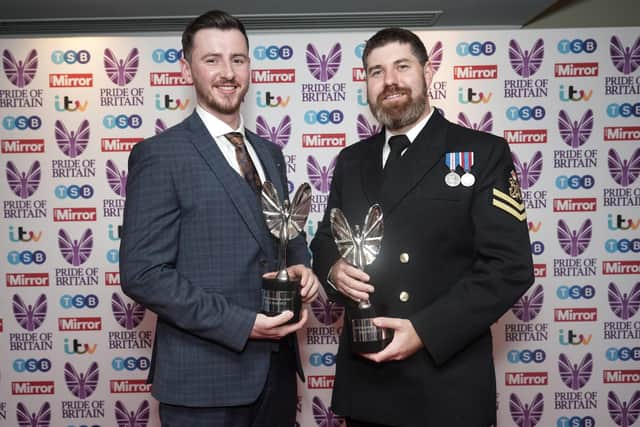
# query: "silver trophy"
{"points": [[360, 247], [285, 221]]}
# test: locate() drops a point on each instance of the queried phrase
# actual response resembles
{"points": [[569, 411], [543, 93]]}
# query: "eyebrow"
{"points": [[396, 62]]}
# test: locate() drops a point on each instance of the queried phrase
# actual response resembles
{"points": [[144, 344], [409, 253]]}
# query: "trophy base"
{"points": [[279, 296], [365, 336]]}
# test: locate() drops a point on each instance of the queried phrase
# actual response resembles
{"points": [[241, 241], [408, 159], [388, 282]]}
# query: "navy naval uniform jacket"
{"points": [[452, 261]]}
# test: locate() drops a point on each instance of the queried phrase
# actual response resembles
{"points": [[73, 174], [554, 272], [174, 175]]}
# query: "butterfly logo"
{"points": [[485, 125], [624, 414], [120, 71], [435, 56], [523, 414], [625, 306], [574, 242], [20, 73], [28, 419], [625, 59], [526, 63], [75, 252], [528, 306], [528, 172], [575, 376], [575, 133], [279, 136], [323, 67], [128, 315], [117, 179], [23, 184], [84, 384], [124, 418], [624, 172], [320, 176], [326, 311], [323, 416], [30, 317], [72, 143], [160, 126], [366, 129]]}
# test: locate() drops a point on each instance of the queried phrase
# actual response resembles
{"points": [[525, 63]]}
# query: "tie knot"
{"points": [[398, 143], [236, 138]]}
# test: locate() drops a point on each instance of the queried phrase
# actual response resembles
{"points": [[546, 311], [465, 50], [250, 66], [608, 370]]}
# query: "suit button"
{"points": [[404, 257], [404, 296]]}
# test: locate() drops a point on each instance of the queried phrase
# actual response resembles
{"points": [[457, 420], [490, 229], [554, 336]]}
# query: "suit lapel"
{"points": [[371, 169], [421, 156], [241, 195]]}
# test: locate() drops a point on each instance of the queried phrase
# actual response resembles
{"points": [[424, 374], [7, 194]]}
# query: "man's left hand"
{"points": [[405, 340], [308, 281]]}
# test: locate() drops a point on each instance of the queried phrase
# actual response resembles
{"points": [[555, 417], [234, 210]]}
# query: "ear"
{"points": [[428, 74], [185, 67]]}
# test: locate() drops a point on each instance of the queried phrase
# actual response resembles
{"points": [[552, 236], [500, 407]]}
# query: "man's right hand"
{"points": [[350, 281], [273, 328]]}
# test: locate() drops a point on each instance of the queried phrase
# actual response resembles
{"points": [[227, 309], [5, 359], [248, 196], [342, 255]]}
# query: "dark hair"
{"points": [[213, 19], [392, 35]]}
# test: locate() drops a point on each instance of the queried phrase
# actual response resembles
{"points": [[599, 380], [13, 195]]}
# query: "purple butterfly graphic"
{"points": [[528, 173], [140, 418], [575, 376], [528, 306], [81, 385], [117, 179], [75, 252], [624, 414], [575, 133], [528, 62], [525, 415], [119, 71], [435, 56], [27, 419], [625, 59], [326, 311], [72, 143], [625, 305], [23, 184], [127, 315], [280, 135], [30, 317], [485, 125], [366, 129], [573, 242], [324, 416], [160, 126], [20, 73], [624, 172], [323, 67], [320, 176]]}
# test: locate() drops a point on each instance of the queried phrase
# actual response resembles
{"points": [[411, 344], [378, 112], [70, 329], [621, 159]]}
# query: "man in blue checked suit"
{"points": [[195, 247]]}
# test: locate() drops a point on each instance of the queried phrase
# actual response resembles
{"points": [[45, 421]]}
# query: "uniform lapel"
{"points": [[421, 156], [371, 168]]}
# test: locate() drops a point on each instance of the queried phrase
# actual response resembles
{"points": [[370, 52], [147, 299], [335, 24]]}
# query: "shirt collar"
{"points": [[414, 131], [215, 126]]}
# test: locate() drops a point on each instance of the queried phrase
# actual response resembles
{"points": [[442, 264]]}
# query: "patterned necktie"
{"points": [[397, 144], [247, 168]]}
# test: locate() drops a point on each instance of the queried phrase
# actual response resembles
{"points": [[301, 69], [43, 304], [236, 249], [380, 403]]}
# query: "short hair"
{"points": [[399, 35], [212, 19]]}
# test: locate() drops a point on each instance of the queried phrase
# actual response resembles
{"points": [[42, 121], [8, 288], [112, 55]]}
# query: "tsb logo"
{"points": [[323, 117], [476, 48], [537, 248], [576, 421], [70, 56], [575, 182], [623, 245], [122, 121], [526, 356], [130, 363], [320, 359], [21, 122], [576, 292], [623, 354], [170, 55], [577, 46], [74, 191], [526, 113], [79, 301], [26, 257], [623, 110], [273, 52], [32, 365]]}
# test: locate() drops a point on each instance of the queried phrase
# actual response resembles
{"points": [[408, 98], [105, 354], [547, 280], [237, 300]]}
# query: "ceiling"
{"points": [[39, 17]]}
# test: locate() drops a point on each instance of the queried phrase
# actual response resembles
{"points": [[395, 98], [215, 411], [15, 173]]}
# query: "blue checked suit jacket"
{"points": [[194, 247]]}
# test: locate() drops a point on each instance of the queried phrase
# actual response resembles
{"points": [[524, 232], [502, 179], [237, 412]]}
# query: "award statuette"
{"points": [[285, 221], [360, 248]]}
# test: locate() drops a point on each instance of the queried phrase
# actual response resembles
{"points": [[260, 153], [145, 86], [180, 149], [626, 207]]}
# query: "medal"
{"points": [[452, 160], [467, 179], [467, 162], [452, 179]]}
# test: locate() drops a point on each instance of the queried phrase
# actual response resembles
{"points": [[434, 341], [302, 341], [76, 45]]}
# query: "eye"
{"points": [[375, 73]]}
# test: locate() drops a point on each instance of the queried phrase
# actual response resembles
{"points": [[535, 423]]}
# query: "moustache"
{"points": [[393, 90]]}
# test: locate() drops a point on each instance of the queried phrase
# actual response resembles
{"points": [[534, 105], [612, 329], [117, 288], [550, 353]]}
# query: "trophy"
{"points": [[359, 247], [285, 221]]}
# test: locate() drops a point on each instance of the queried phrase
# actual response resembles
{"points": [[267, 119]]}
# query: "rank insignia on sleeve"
{"points": [[509, 204], [514, 187]]}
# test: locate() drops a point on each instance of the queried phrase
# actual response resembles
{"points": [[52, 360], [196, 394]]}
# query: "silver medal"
{"points": [[468, 179], [452, 179]]}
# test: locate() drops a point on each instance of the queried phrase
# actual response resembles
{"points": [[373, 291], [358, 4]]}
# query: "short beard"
{"points": [[226, 105], [399, 116]]}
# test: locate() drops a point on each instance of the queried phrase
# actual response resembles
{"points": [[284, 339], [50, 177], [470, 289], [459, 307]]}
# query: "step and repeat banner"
{"points": [[74, 350]]}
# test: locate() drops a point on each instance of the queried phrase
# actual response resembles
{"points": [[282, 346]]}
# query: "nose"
{"points": [[227, 70], [390, 77]]}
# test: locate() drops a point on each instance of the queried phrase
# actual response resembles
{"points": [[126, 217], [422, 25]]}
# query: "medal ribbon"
{"points": [[467, 160], [453, 160]]}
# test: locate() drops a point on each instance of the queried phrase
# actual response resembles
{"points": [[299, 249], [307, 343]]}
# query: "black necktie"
{"points": [[247, 168], [397, 143]]}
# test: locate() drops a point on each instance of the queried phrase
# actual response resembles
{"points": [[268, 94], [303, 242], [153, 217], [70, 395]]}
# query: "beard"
{"points": [[223, 104], [399, 115]]}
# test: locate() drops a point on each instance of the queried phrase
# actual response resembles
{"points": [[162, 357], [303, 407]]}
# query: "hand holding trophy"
{"points": [[285, 221], [360, 247]]}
